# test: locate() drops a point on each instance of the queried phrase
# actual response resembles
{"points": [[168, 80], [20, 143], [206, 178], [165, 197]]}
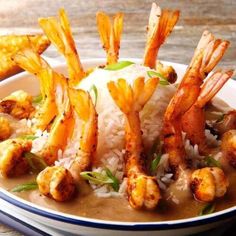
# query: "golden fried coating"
{"points": [[12, 162], [18, 104], [5, 129]]}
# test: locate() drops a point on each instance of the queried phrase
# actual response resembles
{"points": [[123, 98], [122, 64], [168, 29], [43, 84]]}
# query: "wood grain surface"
{"points": [[218, 16]]}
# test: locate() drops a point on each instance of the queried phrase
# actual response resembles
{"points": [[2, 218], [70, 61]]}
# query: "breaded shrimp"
{"points": [[62, 125], [83, 109], [57, 183], [193, 121], [18, 104], [11, 44], [143, 190], [110, 34], [208, 183], [167, 71], [228, 146], [207, 54], [31, 61], [5, 129], [12, 161], [160, 25], [59, 33]]}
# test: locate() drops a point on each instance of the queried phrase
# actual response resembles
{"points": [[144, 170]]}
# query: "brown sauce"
{"points": [[86, 204]]}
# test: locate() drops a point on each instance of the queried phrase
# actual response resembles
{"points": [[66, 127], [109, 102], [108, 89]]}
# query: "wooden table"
{"points": [[218, 16]]}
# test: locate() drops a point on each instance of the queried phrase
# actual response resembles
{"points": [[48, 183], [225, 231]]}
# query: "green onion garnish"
{"points": [[211, 162], [28, 137], [207, 209], [163, 80], [37, 99], [118, 66], [95, 91], [101, 178], [35, 162], [155, 162], [25, 187]]}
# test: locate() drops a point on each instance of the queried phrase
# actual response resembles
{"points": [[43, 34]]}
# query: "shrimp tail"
{"points": [[160, 25], [132, 100], [110, 35], [85, 109], [60, 35], [193, 121]]}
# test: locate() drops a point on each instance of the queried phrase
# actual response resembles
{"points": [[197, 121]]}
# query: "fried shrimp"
{"points": [[5, 129], [59, 33], [18, 104], [193, 121], [84, 110], [31, 61], [11, 44], [208, 183], [12, 161], [143, 190], [62, 125], [160, 25], [110, 35], [57, 183], [207, 54], [228, 146]]}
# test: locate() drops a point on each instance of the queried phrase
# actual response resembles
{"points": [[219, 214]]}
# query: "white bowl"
{"points": [[87, 226]]}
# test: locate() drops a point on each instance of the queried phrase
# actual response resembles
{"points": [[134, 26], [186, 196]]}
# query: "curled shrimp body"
{"points": [[59, 33], [57, 183], [160, 25], [143, 190], [18, 104], [12, 161], [83, 109], [193, 121], [31, 61], [208, 183], [62, 125], [110, 34], [207, 54]]}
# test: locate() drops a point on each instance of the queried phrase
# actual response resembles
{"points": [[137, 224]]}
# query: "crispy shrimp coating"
{"points": [[57, 183], [18, 104], [12, 161], [208, 183], [5, 129]]}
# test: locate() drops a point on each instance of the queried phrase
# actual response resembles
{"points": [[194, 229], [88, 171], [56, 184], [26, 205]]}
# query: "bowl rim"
{"points": [[106, 224]]}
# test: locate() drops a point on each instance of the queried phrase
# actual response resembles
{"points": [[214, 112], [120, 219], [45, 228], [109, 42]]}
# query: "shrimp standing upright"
{"points": [[84, 110], [161, 23], [110, 35], [143, 190], [207, 54], [31, 61], [60, 35]]}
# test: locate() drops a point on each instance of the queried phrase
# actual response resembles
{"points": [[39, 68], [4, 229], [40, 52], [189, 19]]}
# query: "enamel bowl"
{"points": [[87, 226]]}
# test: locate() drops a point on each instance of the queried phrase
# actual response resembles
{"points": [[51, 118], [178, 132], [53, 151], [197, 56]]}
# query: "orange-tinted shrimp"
{"points": [[143, 190], [110, 35], [193, 121], [160, 25], [207, 54]]}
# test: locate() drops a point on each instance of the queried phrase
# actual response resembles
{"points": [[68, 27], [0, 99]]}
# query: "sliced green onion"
{"points": [[101, 178], [211, 162], [115, 184], [118, 66], [207, 209], [163, 80], [35, 162], [37, 99], [220, 118], [155, 162], [28, 137], [95, 91], [25, 187]]}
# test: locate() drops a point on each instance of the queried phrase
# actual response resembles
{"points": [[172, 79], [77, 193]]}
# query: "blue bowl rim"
{"points": [[111, 226]]}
